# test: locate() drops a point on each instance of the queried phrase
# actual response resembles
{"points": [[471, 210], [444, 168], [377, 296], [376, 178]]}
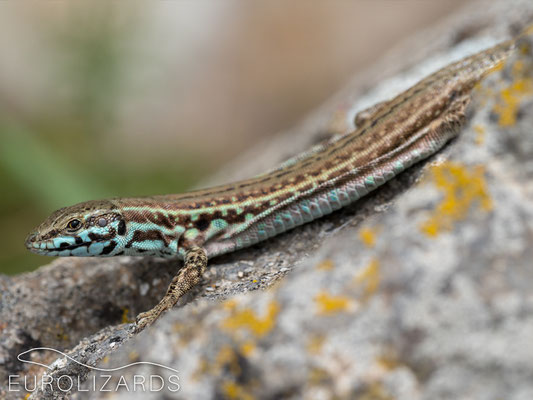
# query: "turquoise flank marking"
{"points": [[191, 234], [148, 245], [63, 253], [239, 210], [333, 196], [249, 217], [399, 166], [146, 226], [219, 223], [370, 180], [278, 224], [273, 202], [216, 226], [195, 217]]}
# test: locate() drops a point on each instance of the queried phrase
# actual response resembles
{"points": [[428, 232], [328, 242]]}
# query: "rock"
{"points": [[421, 290]]}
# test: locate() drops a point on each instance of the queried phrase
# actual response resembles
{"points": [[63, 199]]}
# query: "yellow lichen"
{"points": [[247, 348], [328, 304], [247, 319], [480, 134], [369, 278], [230, 304], [125, 319], [202, 369], [375, 391], [325, 265], [511, 96], [388, 361], [228, 358], [133, 356], [368, 236], [315, 343], [233, 390], [317, 376], [462, 189]]}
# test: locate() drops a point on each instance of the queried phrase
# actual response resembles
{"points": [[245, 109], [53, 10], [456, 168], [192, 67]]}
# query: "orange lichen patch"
{"points": [[389, 361], [61, 334], [230, 305], [368, 236], [315, 343], [496, 67], [247, 348], [325, 265], [247, 319], [203, 368], [318, 376], [27, 396], [511, 96], [133, 355], [462, 188], [125, 319], [480, 134], [233, 390], [375, 391], [484, 93], [369, 278], [184, 333], [227, 357], [328, 304]]}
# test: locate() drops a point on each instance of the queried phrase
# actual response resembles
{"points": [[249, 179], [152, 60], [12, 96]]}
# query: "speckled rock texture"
{"points": [[422, 290]]}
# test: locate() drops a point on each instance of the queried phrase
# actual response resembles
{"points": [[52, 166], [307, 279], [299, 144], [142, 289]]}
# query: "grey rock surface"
{"points": [[422, 290]]}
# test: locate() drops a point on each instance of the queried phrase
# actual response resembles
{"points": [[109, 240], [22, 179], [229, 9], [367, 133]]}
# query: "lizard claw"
{"points": [[143, 320]]}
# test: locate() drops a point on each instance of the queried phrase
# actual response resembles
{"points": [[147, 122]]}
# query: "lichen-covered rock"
{"points": [[409, 294]]}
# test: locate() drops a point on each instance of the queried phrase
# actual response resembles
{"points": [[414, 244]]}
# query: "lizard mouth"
{"points": [[35, 245], [71, 246]]}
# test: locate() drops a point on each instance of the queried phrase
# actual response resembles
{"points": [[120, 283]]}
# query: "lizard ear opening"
{"points": [[121, 230]]}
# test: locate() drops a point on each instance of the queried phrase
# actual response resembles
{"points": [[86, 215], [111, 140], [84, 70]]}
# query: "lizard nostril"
{"points": [[31, 238]]}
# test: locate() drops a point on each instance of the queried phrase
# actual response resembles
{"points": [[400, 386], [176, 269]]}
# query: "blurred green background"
{"points": [[99, 99]]}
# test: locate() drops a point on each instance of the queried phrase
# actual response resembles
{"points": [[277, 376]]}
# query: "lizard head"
{"points": [[93, 228]]}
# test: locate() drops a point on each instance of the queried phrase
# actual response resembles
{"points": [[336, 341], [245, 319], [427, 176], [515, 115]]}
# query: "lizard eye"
{"points": [[74, 224]]}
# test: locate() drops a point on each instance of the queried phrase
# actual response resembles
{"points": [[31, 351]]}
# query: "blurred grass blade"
{"points": [[41, 171]]}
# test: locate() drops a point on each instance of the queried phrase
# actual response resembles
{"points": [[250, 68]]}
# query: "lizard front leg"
{"points": [[188, 277]]}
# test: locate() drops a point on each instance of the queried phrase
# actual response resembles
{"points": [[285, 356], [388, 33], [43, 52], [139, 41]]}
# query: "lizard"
{"points": [[195, 226]]}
